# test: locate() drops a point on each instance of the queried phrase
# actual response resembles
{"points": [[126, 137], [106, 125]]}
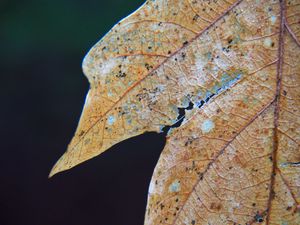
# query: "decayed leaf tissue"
{"points": [[233, 69]]}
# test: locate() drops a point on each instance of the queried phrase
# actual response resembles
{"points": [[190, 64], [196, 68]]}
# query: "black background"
{"points": [[42, 91]]}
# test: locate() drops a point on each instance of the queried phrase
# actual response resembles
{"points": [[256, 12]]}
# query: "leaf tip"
{"points": [[55, 169], [58, 167]]}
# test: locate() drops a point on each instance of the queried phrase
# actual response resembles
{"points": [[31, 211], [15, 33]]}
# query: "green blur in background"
{"points": [[68, 25]]}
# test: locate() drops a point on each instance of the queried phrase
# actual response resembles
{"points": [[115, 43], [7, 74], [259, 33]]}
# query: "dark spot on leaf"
{"points": [[81, 133], [258, 218], [121, 74], [162, 206], [200, 176], [148, 67], [196, 17]]}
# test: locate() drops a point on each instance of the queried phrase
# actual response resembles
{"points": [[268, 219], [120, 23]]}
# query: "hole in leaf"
{"points": [[180, 118]]}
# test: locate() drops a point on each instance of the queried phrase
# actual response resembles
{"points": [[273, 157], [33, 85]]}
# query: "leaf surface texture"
{"points": [[233, 68]]}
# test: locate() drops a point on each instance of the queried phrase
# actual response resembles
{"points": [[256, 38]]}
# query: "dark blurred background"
{"points": [[42, 91]]}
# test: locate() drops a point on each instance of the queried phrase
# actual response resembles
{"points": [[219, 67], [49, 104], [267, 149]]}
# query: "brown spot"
{"points": [[215, 206], [81, 133], [284, 92]]}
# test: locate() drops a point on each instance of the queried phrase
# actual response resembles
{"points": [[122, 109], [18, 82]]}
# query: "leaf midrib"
{"points": [[274, 101], [276, 107]]}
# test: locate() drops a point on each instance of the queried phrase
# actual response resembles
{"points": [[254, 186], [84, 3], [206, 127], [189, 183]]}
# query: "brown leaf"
{"points": [[233, 68]]}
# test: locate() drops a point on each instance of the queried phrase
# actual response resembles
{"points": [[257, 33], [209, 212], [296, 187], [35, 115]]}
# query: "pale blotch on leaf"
{"points": [[268, 42], [175, 186], [111, 120], [207, 126], [106, 67], [273, 19]]}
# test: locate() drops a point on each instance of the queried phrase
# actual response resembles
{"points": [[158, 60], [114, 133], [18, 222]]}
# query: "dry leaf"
{"points": [[228, 73]]}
